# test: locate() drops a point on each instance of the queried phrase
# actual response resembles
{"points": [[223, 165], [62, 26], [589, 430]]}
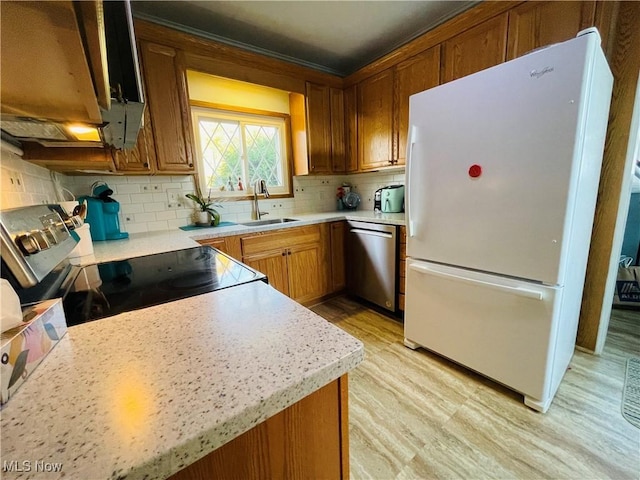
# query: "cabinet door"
{"points": [[536, 24], [319, 128], [274, 265], [304, 269], [375, 121], [351, 129], [141, 158], [217, 243], [169, 107], [338, 275], [338, 147], [475, 49], [412, 76]]}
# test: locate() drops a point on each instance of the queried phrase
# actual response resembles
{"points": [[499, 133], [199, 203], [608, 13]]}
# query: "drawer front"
{"points": [[262, 242]]}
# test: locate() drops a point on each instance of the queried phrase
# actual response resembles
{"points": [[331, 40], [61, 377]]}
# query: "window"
{"points": [[236, 149]]}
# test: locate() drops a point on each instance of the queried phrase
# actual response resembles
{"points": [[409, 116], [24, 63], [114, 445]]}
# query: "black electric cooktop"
{"points": [[111, 288]]}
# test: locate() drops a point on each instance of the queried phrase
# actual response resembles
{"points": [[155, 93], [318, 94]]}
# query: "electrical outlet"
{"points": [[12, 181], [174, 195]]}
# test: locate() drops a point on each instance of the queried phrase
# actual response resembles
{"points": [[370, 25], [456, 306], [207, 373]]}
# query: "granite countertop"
{"points": [[169, 240], [145, 393]]}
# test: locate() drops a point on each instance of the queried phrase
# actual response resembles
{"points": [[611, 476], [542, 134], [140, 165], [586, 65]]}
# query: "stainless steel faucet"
{"points": [[259, 187]]}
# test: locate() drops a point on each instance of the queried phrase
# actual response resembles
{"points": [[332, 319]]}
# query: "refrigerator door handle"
{"points": [[413, 134], [521, 292]]}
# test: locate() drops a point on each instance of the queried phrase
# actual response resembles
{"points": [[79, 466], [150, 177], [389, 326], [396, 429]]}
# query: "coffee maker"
{"points": [[103, 214]]}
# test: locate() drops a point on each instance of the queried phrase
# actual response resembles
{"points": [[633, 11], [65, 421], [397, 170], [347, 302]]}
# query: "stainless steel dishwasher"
{"points": [[371, 261]]}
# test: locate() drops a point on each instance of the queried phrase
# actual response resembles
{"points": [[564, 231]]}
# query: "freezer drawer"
{"points": [[499, 327]]}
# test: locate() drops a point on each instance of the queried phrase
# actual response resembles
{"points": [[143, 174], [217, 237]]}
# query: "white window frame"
{"points": [[271, 119]]}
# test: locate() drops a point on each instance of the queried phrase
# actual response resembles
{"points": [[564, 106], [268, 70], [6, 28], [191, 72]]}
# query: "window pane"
{"points": [[264, 154], [221, 147]]}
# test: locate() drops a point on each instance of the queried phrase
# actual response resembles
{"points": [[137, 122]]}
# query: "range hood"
{"points": [[67, 66]]}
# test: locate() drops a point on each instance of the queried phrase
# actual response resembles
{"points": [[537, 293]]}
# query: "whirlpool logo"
{"points": [[539, 73]]}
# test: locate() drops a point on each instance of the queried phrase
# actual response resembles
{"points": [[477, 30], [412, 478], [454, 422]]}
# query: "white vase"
{"points": [[202, 218]]}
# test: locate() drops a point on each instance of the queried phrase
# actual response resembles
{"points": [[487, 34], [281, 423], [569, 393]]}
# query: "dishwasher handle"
{"points": [[371, 232]]}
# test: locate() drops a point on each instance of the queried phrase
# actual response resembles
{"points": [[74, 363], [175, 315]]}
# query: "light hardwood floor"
{"points": [[416, 415]]}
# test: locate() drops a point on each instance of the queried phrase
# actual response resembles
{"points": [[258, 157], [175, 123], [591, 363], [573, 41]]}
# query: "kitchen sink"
{"points": [[272, 221]]}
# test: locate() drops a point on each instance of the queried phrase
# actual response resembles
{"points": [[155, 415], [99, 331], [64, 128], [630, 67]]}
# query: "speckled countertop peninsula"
{"points": [[165, 241], [145, 393]]}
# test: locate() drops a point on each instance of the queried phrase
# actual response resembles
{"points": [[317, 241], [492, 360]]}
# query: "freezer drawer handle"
{"points": [[521, 292], [371, 232]]}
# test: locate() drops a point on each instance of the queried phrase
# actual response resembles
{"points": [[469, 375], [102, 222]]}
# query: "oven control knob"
{"points": [[27, 244], [41, 238]]}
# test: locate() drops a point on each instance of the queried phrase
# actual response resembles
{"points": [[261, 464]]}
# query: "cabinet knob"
{"points": [[146, 164], [289, 252], [284, 253], [191, 165]]}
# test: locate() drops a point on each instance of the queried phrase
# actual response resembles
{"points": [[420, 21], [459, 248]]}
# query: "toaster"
{"points": [[389, 199]]}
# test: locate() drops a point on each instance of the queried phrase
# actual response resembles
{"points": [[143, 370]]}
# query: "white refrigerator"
{"points": [[502, 178]]}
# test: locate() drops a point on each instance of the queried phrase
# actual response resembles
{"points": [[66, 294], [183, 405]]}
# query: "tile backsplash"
{"points": [[23, 183], [151, 203]]}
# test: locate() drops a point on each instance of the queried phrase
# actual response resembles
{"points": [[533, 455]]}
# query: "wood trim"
{"points": [[69, 159], [606, 17], [233, 108], [343, 386], [625, 64], [205, 48], [274, 240], [458, 24], [244, 73]]}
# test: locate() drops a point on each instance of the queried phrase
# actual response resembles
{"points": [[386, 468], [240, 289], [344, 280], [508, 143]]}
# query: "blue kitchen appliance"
{"points": [[103, 213]]}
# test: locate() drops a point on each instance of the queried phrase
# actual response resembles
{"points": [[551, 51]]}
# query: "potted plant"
{"points": [[206, 215]]}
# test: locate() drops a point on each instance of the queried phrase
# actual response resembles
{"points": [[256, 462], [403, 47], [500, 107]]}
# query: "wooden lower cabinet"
{"points": [[292, 259], [338, 271], [274, 265], [309, 439], [304, 263], [229, 245]]}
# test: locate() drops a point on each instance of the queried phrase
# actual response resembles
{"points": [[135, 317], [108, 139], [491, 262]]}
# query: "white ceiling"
{"points": [[334, 36]]}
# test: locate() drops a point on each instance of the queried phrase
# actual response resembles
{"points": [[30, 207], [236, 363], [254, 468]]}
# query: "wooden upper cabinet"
{"points": [[319, 128], [415, 75], [375, 121], [338, 147], [351, 128], [168, 107], [480, 47], [536, 24]]}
